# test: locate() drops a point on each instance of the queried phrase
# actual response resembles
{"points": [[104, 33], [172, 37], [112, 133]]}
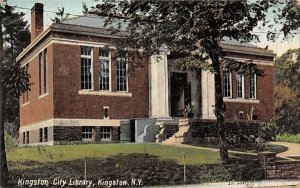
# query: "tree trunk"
{"points": [[220, 107], [3, 161]]}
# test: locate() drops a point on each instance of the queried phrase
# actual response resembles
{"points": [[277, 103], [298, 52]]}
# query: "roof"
{"points": [[94, 21], [91, 24]]}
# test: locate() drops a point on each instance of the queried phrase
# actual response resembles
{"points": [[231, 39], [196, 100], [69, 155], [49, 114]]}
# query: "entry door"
{"points": [[180, 93]]}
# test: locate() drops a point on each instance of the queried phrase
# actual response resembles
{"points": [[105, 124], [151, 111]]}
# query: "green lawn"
{"points": [[71, 152]]}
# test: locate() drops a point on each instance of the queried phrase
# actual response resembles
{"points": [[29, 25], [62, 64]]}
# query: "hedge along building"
{"points": [[84, 92]]}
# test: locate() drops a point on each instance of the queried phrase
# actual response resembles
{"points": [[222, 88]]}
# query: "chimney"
{"points": [[37, 20]]}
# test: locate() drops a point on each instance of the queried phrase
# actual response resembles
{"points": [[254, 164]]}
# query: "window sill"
{"points": [[25, 104], [43, 95], [105, 93], [241, 100]]}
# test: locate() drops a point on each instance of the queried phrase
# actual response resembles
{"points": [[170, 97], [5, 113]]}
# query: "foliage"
{"points": [[60, 15], [287, 92], [293, 138], [14, 80], [151, 169], [268, 130], [291, 15], [11, 143]]}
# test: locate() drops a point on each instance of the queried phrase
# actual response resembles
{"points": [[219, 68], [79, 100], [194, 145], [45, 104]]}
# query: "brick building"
{"points": [[83, 92]]}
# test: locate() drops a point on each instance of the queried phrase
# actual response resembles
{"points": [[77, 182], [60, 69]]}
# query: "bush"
{"points": [[268, 130], [10, 142], [293, 138]]}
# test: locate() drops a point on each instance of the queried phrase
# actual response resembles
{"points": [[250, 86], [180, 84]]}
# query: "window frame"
{"points": [[103, 131], [25, 94], [227, 84], [88, 133], [105, 58], [254, 86], [45, 134], [120, 71], [241, 85], [43, 72], [27, 137], [91, 69]]}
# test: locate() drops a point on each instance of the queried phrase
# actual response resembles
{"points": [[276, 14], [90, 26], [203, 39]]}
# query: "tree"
{"points": [[193, 30], [14, 80], [60, 15], [291, 16], [287, 92]]}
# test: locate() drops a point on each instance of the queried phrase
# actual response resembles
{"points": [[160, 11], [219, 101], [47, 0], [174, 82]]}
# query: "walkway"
{"points": [[205, 148], [244, 184], [294, 149]]}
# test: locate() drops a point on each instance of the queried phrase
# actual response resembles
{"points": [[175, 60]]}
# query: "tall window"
{"points": [[40, 73], [25, 94], [104, 69], [252, 86], [87, 133], [239, 86], [122, 80], [105, 133], [86, 68], [227, 84], [43, 72], [45, 67]]}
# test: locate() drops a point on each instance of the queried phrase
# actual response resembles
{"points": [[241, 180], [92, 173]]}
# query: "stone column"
{"points": [[159, 86], [208, 95]]}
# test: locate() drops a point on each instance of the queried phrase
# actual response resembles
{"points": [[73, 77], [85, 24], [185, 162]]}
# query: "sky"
{"points": [[74, 7]]}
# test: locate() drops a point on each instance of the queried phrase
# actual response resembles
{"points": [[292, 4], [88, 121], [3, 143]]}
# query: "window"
{"points": [[239, 86], [105, 133], [87, 133], [122, 80], [25, 94], [41, 135], [86, 68], [24, 138], [252, 86], [27, 137], [40, 73], [106, 112], [104, 57], [45, 134], [43, 72], [227, 85]]}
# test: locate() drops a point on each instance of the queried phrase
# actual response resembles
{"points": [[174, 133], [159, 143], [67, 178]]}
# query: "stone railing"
{"points": [[166, 130]]}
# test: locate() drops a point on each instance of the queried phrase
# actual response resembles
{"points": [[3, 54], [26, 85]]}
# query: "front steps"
{"points": [[182, 136]]}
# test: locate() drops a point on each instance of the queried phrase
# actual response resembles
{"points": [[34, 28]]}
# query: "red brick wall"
{"points": [[265, 95], [38, 109], [69, 104]]}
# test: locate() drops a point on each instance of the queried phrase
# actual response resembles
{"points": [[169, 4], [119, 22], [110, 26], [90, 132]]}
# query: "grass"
{"points": [[276, 148], [292, 138], [73, 152], [155, 164]]}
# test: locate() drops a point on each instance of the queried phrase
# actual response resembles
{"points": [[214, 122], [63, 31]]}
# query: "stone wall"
{"points": [[201, 128], [279, 169]]}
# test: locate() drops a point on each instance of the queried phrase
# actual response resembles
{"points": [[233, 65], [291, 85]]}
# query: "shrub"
{"points": [[10, 142], [293, 138]]}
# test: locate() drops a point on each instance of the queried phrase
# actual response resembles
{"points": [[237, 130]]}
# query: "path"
{"points": [[205, 148], [294, 149]]}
